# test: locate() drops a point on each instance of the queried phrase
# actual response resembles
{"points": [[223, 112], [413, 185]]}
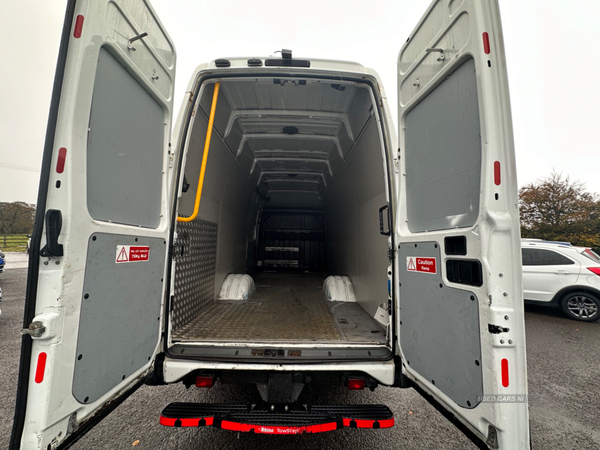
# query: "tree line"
{"points": [[558, 209], [16, 217]]}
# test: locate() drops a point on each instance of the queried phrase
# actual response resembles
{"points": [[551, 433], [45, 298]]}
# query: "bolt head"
{"points": [[502, 341], [509, 341]]}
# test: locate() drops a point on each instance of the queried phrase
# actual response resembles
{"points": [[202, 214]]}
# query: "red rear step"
{"points": [[315, 419]]}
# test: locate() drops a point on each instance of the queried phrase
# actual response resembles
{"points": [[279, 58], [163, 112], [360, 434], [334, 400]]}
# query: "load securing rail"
{"points": [[313, 419]]}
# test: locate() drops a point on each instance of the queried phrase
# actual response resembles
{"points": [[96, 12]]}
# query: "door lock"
{"points": [[497, 329]]}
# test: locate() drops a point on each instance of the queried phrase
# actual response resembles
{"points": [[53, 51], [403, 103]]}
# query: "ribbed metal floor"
{"points": [[286, 307]]}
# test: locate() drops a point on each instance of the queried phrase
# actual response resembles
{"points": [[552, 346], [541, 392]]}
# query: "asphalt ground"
{"points": [[563, 367]]}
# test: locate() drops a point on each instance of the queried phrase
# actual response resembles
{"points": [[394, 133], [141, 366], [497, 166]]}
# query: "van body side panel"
{"points": [[354, 245], [226, 194]]}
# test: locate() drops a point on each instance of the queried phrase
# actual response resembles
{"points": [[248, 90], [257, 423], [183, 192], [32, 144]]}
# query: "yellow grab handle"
{"points": [[211, 120]]}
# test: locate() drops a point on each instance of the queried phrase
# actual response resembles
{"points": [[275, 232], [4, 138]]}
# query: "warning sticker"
{"points": [[418, 264], [132, 253]]}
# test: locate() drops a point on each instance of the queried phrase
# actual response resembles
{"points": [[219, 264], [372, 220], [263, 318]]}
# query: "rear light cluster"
{"points": [[591, 254], [205, 382], [595, 270], [356, 384]]}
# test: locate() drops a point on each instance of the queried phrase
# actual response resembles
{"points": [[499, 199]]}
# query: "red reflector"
{"points": [[60, 162], [504, 364], [595, 270], [78, 27], [41, 367], [486, 43], [355, 384], [205, 382], [497, 178]]}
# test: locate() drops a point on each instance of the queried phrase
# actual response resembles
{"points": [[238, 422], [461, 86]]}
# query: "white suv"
{"points": [[562, 275]]}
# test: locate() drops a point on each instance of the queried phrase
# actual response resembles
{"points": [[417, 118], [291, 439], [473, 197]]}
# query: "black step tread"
{"points": [[362, 412]]}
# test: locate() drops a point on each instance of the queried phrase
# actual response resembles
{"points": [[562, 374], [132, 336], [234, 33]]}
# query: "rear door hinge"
{"points": [[390, 254]]}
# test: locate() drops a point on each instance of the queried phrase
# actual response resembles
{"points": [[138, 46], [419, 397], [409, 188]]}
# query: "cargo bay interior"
{"points": [[293, 185]]}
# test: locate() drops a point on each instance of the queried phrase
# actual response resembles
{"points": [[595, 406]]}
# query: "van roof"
{"points": [[316, 64], [540, 241]]}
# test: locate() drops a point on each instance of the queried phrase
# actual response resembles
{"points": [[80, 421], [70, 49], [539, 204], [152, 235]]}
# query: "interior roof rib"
{"points": [[258, 112]]}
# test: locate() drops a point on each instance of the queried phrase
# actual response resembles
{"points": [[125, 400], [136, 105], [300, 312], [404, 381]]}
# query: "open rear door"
{"points": [[97, 269], [461, 322]]}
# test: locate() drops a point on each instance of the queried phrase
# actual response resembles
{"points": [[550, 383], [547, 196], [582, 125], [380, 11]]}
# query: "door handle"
{"points": [[53, 227], [559, 271], [381, 230]]}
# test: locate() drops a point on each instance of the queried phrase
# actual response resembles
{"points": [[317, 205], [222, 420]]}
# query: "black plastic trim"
{"points": [[464, 271], [551, 304], [381, 230], [53, 228], [455, 245], [157, 378], [287, 62], [38, 228], [255, 62], [222, 63]]}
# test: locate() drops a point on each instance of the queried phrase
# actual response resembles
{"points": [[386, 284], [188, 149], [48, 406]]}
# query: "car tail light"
{"points": [[205, 382], [591, 254], [356, 384], [595, 270]]}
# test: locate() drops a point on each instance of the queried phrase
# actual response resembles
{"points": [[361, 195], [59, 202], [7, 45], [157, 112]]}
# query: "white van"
{"points": [[281, 236]]}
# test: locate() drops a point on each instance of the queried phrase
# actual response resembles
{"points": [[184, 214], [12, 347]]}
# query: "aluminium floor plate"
{"points": [[286, 307]]}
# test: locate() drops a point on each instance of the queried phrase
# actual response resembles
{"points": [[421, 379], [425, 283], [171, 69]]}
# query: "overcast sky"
{"points": [[554, 100]]}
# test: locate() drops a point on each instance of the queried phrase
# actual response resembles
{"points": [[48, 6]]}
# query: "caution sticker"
{"points": [[419, 264], [132, 253]]}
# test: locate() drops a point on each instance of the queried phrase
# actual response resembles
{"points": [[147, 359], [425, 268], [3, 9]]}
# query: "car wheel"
{"points": [[581, 306]]}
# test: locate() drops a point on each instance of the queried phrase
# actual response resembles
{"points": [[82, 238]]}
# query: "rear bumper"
{"points": [[175, 370]]}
